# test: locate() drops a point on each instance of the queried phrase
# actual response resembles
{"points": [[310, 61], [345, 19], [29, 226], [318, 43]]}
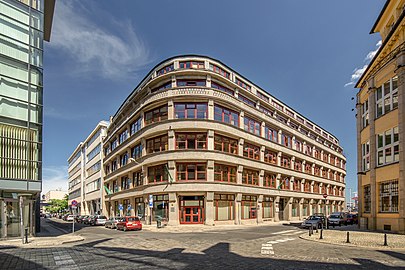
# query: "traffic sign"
{"points": [[129, 207], [325, 195], [120, 207], [150, 201], [74, 203]]}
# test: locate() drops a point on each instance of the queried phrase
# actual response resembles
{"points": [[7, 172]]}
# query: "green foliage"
{"points": [[57, 206]]}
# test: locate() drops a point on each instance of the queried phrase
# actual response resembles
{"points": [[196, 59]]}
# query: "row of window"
{"points": [[386, 100], [387, 144], [94, 152], [94, 168], [225, 115], [222, 173], [388, 197], [196, 141], [242, 84]]}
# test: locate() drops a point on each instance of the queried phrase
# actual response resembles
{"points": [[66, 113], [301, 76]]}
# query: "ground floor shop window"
{"points": [[116, 210], [192, 209], [367, 199], [224, 206], [126, 207], [140, 208], [249, 207], [305, 208], [160, 206], [314, 208], [295, 207], [267, 206]]}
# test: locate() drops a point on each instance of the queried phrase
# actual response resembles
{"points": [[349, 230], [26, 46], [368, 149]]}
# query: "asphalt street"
{"points": [[257, 247]]}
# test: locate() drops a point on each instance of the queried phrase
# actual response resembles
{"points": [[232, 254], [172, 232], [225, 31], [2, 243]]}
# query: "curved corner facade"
{"points": [[197, 143]]}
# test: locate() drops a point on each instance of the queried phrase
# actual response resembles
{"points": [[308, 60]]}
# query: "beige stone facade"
{"points": [[198, 143], [380, 127]]}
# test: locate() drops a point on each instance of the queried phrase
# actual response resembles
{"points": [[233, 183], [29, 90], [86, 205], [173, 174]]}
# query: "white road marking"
{"points": [[267, 248], [283, 232]]}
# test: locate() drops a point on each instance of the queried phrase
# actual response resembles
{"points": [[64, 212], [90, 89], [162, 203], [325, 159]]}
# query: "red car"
{"points": [[129, 223]]}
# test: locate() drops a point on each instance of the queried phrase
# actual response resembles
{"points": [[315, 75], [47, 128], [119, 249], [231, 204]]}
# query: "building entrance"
{"points": [[191, 209], [281, 206]]}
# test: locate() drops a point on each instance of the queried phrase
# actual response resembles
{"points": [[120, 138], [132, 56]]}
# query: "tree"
{"points": [[57, 206]]}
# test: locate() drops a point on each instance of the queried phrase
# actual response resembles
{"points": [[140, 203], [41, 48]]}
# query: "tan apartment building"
{"points": [[197, 143], [380, 126], [85, 174]]}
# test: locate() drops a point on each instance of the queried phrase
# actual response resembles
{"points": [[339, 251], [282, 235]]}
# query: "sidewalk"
{"points": [[189, 228], [49, 236], [373, 240]]}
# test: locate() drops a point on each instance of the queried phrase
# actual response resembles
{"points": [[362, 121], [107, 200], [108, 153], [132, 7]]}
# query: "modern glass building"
{"points": [[24, 25]]}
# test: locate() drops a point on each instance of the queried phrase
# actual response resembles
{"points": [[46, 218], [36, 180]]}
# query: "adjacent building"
{"points": [[85, 173], [198, 143], [380, 127], [24, 25], [51, 195]]}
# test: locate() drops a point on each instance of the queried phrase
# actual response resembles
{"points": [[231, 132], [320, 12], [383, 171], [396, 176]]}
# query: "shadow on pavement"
{"points": [[393, 254]]}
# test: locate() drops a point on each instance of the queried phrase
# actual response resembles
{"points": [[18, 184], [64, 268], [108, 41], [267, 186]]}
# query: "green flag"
{"points": [[109, 192]]}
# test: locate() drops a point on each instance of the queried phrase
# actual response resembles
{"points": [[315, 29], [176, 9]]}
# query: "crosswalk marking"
{"points": [[283, 232], [267, 248]]}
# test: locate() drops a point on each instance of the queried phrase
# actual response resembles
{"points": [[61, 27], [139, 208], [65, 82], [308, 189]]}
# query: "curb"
{"points": [[349, 245], [72, 241]]}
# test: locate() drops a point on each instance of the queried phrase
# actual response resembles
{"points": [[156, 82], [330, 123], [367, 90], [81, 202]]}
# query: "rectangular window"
{"points": [[262, 96], [157, 144], [364, 114], [156, 115], [246, 100], [114, 144], [286, 162], [387, 147], [221, 88], [96, 150], [224, 206], [251, 151], [191, 64], [224, 173], [298, 165], [270, 157], [267, 205], [190, 110], [123, 136], [124, 159], [252, 126], [250, 177], [242, 84], [220, 71], [191, 172], [277, 106], [136, 126], [225, 144], [164, 86], [158, 174], [367, 199], [270, 134], [249, 207], [269, 180], [125, 183], [94, 169], [286, 140], [266, 111], [182, 83], [389, 196], [191, 141], [387, 97], [138, 178], [136, 152], [226, 116], [165, 70]]}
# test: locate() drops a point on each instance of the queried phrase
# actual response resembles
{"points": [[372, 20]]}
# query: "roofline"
{"points": [[379, 17], [100, 124], [49, 9], [397, 23], [243, 77], [79, 146]]}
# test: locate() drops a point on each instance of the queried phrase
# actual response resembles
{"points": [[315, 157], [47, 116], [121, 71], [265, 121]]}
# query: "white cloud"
{"points": [[96, 50], [54, 177], [357, 72]]}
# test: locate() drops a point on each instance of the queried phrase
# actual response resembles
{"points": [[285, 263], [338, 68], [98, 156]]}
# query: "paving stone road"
{"points": [[214, 249]]}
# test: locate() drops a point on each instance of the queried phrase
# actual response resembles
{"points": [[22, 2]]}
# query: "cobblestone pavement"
{"points": [[214, 249]]}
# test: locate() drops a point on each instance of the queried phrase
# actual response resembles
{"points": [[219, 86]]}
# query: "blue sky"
{"points": [[305, 53]]}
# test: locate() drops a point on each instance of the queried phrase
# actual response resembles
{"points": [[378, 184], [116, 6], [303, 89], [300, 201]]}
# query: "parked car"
{"points": [[64, 217], [87, 220], [129, 223], [352, 219], [313, 221], [98, 220], [337, 219], [112, 222], [70, 218], [81, 219]]}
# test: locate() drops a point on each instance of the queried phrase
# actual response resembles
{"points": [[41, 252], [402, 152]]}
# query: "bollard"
{"points": [[26, 235], [385, 240], [348, 239], [310, 230], [321, 236]]}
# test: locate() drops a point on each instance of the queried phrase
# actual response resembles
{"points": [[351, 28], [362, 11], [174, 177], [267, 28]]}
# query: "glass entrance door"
{"points": [[191, 209]]}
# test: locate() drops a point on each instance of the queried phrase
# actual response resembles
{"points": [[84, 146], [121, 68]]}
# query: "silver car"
{"points": [[98, 220], [313, 221], [111, 222]]}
